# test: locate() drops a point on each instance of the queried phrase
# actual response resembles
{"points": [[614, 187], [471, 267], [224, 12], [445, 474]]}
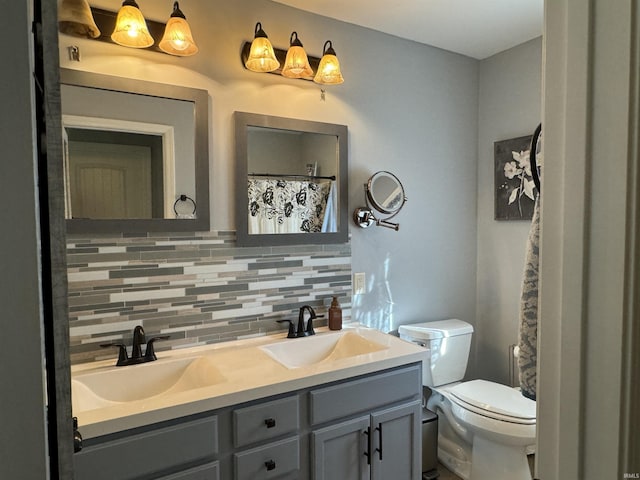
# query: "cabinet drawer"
{"points": [[210, 471], [149, 453], [365, 394], [265, 421], [268, 461]]}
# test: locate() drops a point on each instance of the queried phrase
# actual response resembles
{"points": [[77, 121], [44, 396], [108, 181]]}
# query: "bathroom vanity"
{"points": [[342, 413]]}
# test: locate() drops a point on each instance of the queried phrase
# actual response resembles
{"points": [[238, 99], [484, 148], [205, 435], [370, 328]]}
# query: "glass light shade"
{"points": [[131, 28], [262, 58], [75, 18], [177, 38], [296, 64], [329, 69]]}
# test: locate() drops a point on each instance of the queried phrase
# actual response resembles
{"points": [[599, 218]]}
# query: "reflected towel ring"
{"points": [[184, 198]]}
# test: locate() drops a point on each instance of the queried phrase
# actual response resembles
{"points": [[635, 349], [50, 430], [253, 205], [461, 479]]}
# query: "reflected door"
{"points": [[110, 181]]}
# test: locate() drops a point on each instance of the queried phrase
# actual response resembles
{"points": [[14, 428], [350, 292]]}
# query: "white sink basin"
{"points": [[113, 385], [307, 351]]}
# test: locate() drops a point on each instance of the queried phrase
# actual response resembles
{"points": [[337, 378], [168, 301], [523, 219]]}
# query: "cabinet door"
{"points": [[396, 437], [339, 451]]}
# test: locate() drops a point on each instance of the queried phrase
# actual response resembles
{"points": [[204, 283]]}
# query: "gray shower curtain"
{"points": [[528, 338]]}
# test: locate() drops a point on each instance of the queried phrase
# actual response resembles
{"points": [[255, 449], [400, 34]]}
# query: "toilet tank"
{"points": [[449, 342]]}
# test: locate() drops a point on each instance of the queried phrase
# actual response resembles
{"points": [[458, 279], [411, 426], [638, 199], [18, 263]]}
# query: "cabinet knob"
{"points": [[270, 422], [270, 464]]}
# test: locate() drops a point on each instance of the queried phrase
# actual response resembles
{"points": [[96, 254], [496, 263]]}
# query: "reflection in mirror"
{"points": [[132, 150], [291, 180], [385, 193]]}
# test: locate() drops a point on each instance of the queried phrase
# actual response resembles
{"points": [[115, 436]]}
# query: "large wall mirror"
{"points": [[136, 155], [291, 185]]}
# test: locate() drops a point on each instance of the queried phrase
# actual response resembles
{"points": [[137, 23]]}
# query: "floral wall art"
{"points": [[514, 187]]}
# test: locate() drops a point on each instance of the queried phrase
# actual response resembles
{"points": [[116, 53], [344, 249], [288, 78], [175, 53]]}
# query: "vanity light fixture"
{"points": [[131, 28], [261, 58], [177, 38], [75, 18], [296, 64], [329, 69]]}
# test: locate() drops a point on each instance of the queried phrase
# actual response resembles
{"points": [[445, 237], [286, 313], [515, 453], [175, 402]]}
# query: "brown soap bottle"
{"points": [[335, 315]]}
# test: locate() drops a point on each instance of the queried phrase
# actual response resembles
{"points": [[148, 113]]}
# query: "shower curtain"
{"points": [[527, 343], [528, 337], [287, 206]]}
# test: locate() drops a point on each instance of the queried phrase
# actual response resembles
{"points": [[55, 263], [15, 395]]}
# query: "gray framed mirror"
{"points": [[291, 181], [136, 155]]}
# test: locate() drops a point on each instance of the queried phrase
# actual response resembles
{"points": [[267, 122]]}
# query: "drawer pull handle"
{"points": [[270, 464], [270, 422]]}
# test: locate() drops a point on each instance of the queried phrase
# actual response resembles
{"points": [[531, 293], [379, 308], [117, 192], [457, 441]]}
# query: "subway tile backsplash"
{"points": [[198, 288]]}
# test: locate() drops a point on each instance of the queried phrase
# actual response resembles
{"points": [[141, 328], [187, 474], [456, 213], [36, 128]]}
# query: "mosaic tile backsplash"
{"points": [[198, 288]]}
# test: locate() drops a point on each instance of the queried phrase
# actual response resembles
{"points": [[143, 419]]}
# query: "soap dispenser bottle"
{"points": [[335, 315]]}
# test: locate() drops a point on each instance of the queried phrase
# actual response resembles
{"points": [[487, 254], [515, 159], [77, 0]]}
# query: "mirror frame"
{"points": [[374, 202], [200, 99], [245, 120]]}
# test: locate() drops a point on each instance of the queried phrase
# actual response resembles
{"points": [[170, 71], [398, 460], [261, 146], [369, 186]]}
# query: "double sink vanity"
{"points": [[340, 404], [336, 405]]}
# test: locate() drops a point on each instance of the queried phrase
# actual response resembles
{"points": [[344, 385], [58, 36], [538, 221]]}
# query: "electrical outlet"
{"points": [[358, 283]]}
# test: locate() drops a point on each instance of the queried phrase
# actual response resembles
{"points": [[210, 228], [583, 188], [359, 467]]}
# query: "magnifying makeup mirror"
{"points": [[385, 193]]}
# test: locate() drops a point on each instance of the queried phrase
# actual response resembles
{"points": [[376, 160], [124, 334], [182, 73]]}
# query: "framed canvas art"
{"points": [[515, 190]]}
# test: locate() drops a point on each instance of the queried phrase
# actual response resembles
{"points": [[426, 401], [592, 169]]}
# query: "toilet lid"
{"points": [[495, 400]]}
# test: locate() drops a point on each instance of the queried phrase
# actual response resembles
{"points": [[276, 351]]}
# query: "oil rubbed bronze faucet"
{"points": [[301, 331], [136, 350]]}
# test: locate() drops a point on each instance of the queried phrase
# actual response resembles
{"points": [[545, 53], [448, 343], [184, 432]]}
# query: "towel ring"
{"points": [[184, 198]]}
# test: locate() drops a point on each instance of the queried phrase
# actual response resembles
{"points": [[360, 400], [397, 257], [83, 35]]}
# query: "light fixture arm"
{"points": [[177, 12]]}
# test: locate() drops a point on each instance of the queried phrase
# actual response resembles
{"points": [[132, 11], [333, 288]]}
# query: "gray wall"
{"points": [[410, 108], [509, 106], [23, 438]]}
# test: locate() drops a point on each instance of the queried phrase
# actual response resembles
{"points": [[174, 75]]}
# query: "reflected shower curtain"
{"points": [[286, 206]]}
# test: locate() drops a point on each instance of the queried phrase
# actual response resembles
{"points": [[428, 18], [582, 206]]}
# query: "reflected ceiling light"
{"points": [[131, 29], [329, 69], [261, 58], [75, 18], [296, 64], [177, 38]]}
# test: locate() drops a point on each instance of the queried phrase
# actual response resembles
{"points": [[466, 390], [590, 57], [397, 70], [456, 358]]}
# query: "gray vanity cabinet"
{"points": [[397, 439], [164, 453], [385, 443], [264, 424], [376, 447], [316, 432], [339, 451]]}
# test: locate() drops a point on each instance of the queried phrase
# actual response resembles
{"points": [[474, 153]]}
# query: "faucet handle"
{"points": [[302, 332], [122, 352], [292, 331], [149, 353], [138, 339], [310, 330]]}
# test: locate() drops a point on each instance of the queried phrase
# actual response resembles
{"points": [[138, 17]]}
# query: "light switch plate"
{"points": [[358, 283]]}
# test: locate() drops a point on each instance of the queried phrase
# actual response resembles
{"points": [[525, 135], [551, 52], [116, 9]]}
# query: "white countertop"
{"points": [[249, 373]]}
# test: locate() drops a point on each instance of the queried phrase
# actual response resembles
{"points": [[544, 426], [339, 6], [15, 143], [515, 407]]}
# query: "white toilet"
{"points": [[485, 429]]}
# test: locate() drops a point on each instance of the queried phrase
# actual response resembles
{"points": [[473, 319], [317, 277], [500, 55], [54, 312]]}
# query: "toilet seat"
{"points": [[495, 401]]}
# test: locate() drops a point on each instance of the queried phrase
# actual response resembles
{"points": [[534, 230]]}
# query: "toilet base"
{"points": [[513, 464], [454, 457]]}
